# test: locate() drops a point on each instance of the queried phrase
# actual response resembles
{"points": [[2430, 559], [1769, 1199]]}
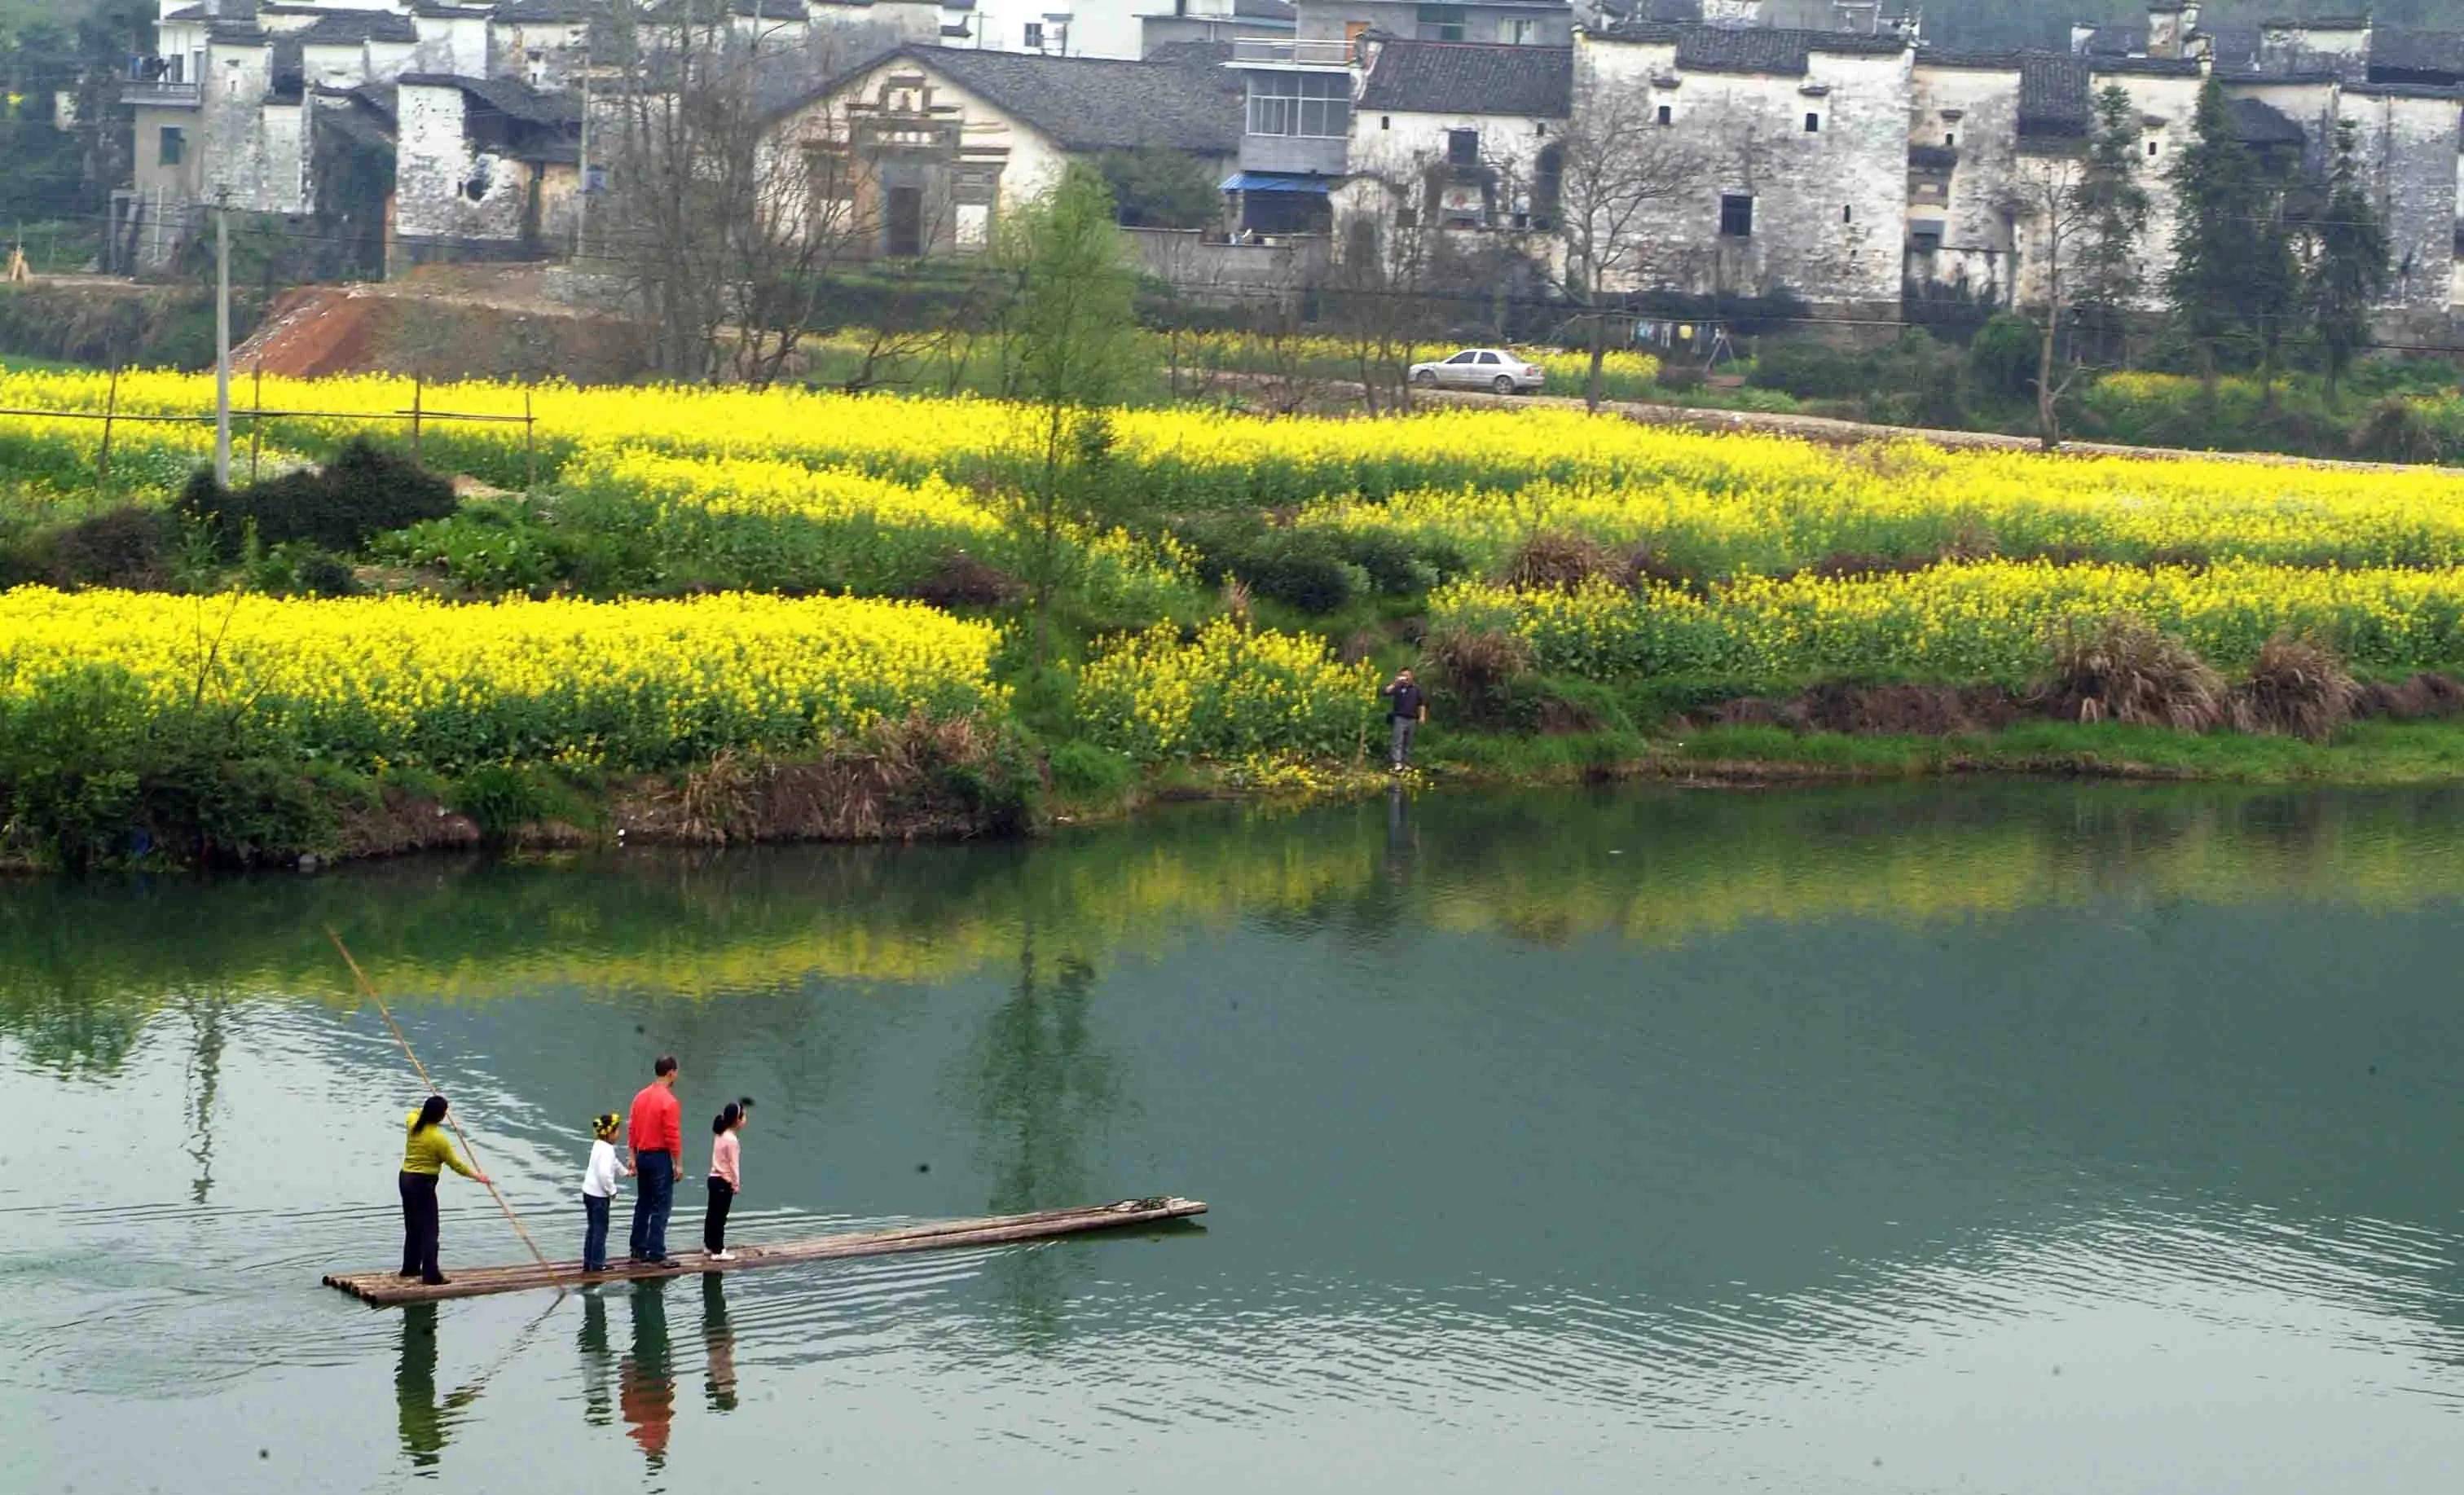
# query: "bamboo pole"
{"points": [[417, 384], [530, 447], [368, 989], [257, 418]]}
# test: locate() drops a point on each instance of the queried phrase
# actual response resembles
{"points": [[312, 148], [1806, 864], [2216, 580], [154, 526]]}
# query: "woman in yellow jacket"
{"points": [[425, 1155]]}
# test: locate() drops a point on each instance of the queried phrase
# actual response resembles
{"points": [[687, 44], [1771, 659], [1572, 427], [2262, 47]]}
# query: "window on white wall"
{"points": [[1736, 215], [1034, 36], [1315, 105], [1522, 32]]}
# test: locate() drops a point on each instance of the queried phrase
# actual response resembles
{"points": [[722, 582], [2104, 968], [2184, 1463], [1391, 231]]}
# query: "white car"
{"points": [[1481, 368]]}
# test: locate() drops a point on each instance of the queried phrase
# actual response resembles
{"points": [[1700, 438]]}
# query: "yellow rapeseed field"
{"points": [[368, 680], [1993, 620]]}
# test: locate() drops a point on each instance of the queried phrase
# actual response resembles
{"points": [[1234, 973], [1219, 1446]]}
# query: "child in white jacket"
{"points": [[598, 1189]]}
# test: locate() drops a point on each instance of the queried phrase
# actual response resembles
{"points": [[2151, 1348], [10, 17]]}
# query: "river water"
{"points": [[1976, 1137]]}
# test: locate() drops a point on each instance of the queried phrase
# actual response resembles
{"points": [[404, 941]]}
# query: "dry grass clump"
{"points": [[960, 580], [2123, 669], [904, 777], [2297, 688], [1478, 664], [1556, 558]]}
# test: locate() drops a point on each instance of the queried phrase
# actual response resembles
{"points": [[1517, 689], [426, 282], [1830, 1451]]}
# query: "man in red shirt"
{"points": [[657, 1136]]}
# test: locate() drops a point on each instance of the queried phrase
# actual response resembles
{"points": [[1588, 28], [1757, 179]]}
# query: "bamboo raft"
{"points": [[387, 1290]]}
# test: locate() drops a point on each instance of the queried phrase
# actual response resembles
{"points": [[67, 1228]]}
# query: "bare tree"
{"points": [[2050, 192], [730, 215], [1603, 184]]}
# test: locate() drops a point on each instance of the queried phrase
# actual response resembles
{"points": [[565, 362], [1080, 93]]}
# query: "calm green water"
{"points": [[1966, 1137]]}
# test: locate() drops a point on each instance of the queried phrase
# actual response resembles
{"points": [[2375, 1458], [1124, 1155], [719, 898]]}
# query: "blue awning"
{"points": [[1274, 182]]}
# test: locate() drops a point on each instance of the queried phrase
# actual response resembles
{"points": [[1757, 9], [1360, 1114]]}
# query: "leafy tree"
{"points": [[2233, 273], [2113, 220], [2348, 263], [1068, 343], [1155, 189]]}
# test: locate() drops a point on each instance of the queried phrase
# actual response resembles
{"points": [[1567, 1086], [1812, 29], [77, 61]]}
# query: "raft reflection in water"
{"points": [[646, 1379]]}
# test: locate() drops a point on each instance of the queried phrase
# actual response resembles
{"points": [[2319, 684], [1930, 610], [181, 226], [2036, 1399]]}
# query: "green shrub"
{"points": [[362, 492], [297, 569], [502, 799], [1083, 771], [1809, 372], [2002, 356], [1304, 568], [488, 547]]}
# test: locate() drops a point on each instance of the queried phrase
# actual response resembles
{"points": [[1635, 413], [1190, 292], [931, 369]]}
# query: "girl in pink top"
{"points": [[726, 1175]]}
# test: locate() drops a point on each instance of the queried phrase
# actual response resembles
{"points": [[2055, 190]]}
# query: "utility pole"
{"points": [[222, 335], [582, 198]]}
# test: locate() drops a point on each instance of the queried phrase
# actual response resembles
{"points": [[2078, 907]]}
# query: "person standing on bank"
{"points": [[657, 1137], [1406, 708], [726, 1175], [426, 1153]]}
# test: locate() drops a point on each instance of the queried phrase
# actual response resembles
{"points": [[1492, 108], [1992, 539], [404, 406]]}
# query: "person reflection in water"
{"points": [[646, 1381], [718, 1339], [597, 1408], [426, 1422]]}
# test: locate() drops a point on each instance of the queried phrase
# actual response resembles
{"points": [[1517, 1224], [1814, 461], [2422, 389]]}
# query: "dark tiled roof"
{"points": [[509, 97], [2406, 90], [350, 28], [2256, 123], [1472, 77], [1193, 53], [1766, 49], [2151, 67], [2052, 94], [544, 10], [1095, 103], [2412, 53], [2234, 47], [2116, 41]]}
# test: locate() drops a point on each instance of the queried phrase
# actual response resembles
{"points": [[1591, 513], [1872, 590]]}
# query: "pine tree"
{"points": [[2348, 264], [2233, 273], [2114, 209]]}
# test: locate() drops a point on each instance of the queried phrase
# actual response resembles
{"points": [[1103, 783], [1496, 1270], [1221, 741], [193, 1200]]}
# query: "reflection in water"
{"points": [[1402, 839], [1680, 1140], [597, 1408], [204, 1071], [647, 1380], [719, 1342], [426, 1422], [1040, 1082]]}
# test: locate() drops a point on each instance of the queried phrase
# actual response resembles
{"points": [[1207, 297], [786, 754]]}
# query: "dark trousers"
{"points": [[594, 1232], [651, 1204], [419, 1225], [714, 1223]]}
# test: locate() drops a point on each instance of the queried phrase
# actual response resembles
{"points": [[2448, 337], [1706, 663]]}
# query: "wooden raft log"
{"points": [[387, 1290]]}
